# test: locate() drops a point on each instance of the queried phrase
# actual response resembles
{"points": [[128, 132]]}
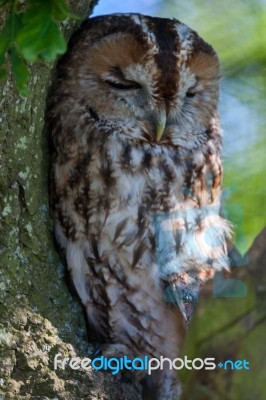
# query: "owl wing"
{"points": [[191, 242]]}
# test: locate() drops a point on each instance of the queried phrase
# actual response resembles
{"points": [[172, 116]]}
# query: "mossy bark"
{"points": [[38, 316]]}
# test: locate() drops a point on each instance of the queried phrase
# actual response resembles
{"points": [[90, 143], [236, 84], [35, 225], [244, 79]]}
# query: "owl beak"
{"points": [[160, 124]]}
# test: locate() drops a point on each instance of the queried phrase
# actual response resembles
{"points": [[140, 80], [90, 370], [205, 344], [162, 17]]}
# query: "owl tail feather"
{"points": [[183, 290]]}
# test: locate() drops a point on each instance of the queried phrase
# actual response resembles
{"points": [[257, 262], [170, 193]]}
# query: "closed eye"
{"points": [[191, 92], [125, 85]]}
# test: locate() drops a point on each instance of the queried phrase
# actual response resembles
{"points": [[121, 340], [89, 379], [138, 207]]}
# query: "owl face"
{"points": [[154, 76]]}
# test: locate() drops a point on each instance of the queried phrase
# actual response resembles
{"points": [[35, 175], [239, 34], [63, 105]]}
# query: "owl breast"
{"points": [[120, 194]]}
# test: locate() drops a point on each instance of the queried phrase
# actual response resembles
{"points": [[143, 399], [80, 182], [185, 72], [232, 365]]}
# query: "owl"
{"points": [[135, 181]]}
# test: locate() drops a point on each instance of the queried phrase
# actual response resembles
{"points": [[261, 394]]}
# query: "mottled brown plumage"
{"points": [[136, 178]]}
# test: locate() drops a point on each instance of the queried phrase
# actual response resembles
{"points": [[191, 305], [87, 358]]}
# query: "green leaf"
{"points": [[57, 43], [40, 37], [5, 39], [3, 2], [43, 41], [7, 36], [3, 74], [20, 71], [4, 45], [60, 10]]}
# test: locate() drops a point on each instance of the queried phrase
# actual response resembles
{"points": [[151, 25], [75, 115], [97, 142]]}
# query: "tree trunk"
{"points": [[39, 317]]}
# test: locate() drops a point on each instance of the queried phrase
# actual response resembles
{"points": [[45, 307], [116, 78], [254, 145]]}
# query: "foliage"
{"points": [[31, 33], [245, 205]]}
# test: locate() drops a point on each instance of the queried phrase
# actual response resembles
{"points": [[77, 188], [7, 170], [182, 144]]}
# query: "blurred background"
{"points": [[237, 30]]}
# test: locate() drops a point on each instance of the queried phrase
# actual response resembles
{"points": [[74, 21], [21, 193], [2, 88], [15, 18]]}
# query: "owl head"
{"points": [[152, 79]]}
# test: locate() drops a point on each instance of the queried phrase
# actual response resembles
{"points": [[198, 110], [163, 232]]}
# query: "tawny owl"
{"points": [[136, 180]]}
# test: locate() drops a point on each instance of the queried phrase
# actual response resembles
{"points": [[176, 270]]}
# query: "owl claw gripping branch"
{"points": [[136, 179]]}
